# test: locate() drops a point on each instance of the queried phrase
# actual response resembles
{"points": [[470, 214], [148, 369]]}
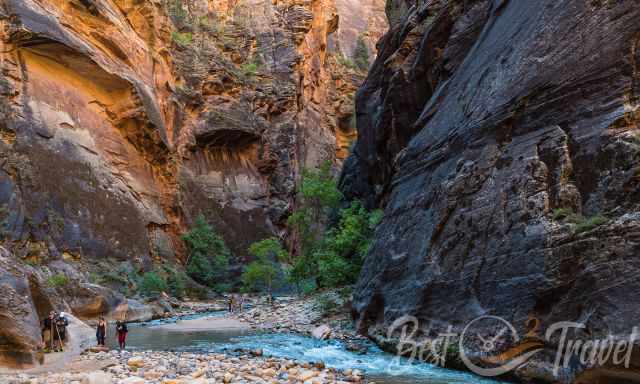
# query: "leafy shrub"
{"points": [[208, 258], [259, 275], [587, 224], [176, 283], [582, 224], [58, 280], [307, 287], [562, 213], [113, 277], [345, 61], [182, 38], [152, 285], [361, 54], [340, 255], [326, 304], [250, 69]]}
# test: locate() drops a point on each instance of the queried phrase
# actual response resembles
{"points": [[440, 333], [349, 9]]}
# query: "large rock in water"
{"points": [[482, 126]]}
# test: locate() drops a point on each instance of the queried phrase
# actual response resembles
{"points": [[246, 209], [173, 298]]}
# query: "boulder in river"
{"points": [[321, 332]]}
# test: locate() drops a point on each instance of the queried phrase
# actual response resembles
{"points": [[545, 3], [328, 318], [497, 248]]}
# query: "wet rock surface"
{"points": [[502, 140]]}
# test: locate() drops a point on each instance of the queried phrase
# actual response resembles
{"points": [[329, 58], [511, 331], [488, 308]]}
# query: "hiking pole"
{"points": [[59, 338]]}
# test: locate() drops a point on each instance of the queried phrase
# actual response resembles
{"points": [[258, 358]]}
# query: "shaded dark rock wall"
{"points": [[479, 119]]}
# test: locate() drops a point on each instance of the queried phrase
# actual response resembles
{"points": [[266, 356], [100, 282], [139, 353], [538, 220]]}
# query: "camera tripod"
{"points": [[54, 335]]}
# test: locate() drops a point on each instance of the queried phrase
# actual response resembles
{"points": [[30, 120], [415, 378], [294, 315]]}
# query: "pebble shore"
{"points": [[191, 368]]}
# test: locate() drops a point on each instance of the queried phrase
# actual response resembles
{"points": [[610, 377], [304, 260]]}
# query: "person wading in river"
{"points": [[231, 304], [121, 330], [101, 331]]}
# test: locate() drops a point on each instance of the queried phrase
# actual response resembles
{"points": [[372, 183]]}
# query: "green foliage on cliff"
{"points": [[182, 38], [581, 223], [250, 69], [208, 257], [58, 280], [361, 54], [345, 61], [562, 213], [589, 223]]}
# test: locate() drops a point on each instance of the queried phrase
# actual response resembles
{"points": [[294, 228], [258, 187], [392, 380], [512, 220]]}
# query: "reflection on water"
{"points": [[379, 366], [150, 336]]}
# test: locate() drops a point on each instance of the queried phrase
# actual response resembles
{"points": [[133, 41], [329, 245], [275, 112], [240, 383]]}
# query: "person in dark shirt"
{"points": [[101, 331], [47, 331]]}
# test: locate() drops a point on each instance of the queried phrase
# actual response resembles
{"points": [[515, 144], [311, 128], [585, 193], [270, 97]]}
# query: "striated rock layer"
{"points": [[122, 120], [502, 139]]}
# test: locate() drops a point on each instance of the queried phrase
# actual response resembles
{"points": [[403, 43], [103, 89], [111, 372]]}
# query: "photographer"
{"points": [[61, 324]]}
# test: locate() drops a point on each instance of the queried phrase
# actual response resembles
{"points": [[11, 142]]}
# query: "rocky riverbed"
{"points": [[324, 315], [298, 315], [188, 368]]}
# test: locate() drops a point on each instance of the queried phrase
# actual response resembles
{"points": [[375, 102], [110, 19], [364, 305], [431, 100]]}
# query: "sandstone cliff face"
{"points": [[122, 120], [480, 125]]}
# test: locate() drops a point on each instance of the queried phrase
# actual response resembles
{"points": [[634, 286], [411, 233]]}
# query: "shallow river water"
{"points": [[378, 366]]}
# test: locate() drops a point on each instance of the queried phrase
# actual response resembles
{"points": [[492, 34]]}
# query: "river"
{"points": [[378, 366]]}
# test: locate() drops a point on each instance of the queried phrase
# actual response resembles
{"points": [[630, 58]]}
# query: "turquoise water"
{"points": [[379, 366]]}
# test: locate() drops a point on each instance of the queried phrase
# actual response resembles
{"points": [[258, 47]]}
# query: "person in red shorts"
{"points": [[121, 331]]}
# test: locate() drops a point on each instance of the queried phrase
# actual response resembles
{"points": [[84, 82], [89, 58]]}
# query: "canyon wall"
{"points": [[121, 121], [502, 139]]}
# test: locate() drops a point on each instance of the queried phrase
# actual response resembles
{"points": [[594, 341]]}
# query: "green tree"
{"points": [[208, 258], [176, 283], [318, 195], [152, 285], [328, 256], [361, 54], [269, 247], [262, 272]]}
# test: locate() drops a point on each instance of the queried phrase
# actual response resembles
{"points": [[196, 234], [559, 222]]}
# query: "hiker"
{"points": [[101, 331], [60, 330], [241, 303], [47, 331], [121, 330], [230, 303]]}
